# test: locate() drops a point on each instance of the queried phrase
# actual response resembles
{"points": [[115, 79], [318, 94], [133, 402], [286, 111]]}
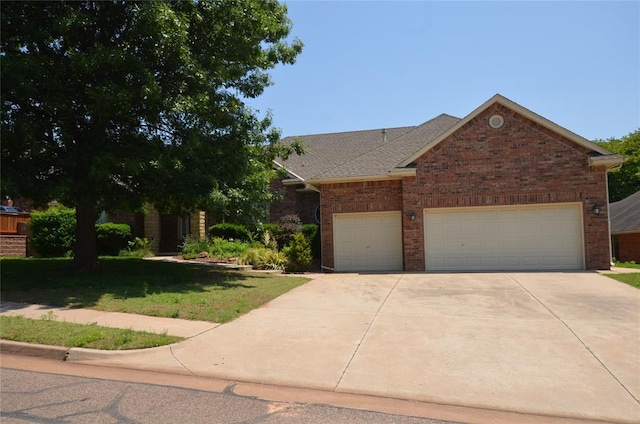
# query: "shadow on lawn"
{"points": [[50, 282]]}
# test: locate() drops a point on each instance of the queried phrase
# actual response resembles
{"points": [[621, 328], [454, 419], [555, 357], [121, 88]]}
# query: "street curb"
{"points": [[31, 349]]}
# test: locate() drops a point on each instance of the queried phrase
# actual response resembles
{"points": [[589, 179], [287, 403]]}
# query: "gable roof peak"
{"points": [[510, 104]]}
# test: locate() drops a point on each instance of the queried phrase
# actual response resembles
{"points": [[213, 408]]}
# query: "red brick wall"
{"points": [[13, 245], [628, 247], [302, 204], [519, 163], [371, 196]]}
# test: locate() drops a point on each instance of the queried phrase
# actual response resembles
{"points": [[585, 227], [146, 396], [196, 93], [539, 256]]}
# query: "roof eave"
{"points": [[356, 179], [623, 232], [609, 160], [295, 176]]}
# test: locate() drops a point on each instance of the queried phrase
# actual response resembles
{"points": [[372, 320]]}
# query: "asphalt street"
{"points": [[36, 397]]}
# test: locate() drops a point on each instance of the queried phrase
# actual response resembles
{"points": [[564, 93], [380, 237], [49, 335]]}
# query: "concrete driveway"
{"points": [[560, 344]]}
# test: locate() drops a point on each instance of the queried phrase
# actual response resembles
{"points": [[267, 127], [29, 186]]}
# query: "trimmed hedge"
{"points": [[112, 238], [230, 231], [53, 232]]}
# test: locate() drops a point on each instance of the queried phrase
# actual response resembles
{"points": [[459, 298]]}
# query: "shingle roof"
{"points": [[625, 214], [362, 153]]}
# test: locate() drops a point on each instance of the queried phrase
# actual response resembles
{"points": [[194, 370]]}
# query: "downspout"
{"points": [[613, 168], [609, 221]]}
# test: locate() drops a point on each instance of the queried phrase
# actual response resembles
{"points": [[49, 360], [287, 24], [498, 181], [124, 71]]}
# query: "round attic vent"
{"points": [[496, 121]]}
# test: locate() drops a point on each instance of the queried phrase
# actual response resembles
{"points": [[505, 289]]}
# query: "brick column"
{"points": [[152, 228], [197, 223]]}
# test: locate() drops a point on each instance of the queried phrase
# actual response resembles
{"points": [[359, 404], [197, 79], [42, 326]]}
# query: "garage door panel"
{"points": [[368, 242], [525, 237]]}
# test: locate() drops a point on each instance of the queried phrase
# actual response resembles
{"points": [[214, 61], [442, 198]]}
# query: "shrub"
{"points": [[230, 231], [138, 248], [298, 253], [53, 231], [222, 249], [289, 226], [192, 246], [112, 238], [263, 258], [312, 233], [273, 230]]}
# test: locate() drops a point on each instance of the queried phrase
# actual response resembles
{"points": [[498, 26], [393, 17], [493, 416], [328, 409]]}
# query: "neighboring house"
{"points": [[165, 231], [501, 189], [625, 228], [14, 222]]}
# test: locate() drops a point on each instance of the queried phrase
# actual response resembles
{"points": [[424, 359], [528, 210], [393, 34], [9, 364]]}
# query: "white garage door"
{"points": [[368, 241], [504, 238]]}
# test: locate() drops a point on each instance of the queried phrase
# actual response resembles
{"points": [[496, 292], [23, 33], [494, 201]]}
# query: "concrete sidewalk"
{"points": [[174, 327], [561, 344]]}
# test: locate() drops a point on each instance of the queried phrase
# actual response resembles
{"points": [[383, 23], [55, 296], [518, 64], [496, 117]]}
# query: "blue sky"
{"points": [[369, 65]]}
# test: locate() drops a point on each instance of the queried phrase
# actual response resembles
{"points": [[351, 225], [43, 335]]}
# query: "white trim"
{"points": [[610, 161], [289, 172], [357, 179], [403, 172], [516, 108]]}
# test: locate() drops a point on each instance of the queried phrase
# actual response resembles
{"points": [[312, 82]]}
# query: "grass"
{"points": [[134, 285], [56, 333], [627, 265], [632, 278]]}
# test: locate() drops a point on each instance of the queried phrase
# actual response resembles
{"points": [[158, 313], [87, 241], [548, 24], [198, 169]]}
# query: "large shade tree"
{"points": [[107, 105], [626, 181]]}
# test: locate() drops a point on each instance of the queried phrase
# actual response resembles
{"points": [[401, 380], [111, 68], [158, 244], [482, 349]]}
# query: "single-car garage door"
{"points": [[368, 241], [533, 237]]}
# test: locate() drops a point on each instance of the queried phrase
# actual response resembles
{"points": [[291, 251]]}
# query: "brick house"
{"points": [[501, 189], [165, 231], [625, 228]]}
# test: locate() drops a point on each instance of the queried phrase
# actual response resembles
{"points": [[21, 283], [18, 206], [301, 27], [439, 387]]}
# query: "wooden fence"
{"points": [[10, 223]]}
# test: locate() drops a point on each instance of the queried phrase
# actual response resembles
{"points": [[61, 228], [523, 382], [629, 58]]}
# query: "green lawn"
{"points": [[627, 265], [48, 332], [632, 278], [133, 285]]}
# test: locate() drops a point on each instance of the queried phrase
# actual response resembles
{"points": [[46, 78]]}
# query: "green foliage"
{"points": [[264, 258], [312, 233], [626, 181], [289, 226], [272, 228], [631, 278], [223, 249], [230, 231], [216, 247], [192, 246], [268, 240], [629, 264], [106, 105], [112, 238], [53, 231], [50, 332], [138, 248], [298, 253]]}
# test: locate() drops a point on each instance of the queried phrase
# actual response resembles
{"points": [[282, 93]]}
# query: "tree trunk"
{"points": [[85, 253]]}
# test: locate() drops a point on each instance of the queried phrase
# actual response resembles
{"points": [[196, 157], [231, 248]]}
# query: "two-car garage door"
{"points": [[535, 237], [532, 237]]}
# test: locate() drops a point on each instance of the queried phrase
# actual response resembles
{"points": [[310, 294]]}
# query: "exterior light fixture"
{"points": [[596, 209], [412, 216]]}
